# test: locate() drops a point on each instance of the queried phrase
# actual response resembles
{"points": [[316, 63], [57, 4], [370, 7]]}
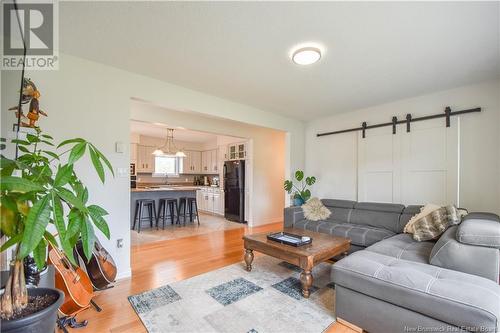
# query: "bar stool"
{"points": [[182, 208], [192, 203], [167, 205], [139, 205]]}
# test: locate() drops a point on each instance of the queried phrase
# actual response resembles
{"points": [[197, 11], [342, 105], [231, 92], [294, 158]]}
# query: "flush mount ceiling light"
{"points": [[169, 148], [307, 55]]}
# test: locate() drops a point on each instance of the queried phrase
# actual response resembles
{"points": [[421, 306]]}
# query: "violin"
{"points": [[73, 281]]}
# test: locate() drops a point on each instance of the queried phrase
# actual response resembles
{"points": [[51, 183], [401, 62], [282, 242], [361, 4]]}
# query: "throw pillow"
{"points": [[432, 221], [314, 210]]}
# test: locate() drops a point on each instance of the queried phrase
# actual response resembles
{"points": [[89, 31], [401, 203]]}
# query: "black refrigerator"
{"points": [[234, 191]]}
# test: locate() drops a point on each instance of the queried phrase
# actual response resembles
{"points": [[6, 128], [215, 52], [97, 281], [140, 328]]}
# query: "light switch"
{"points": [[123, 172], [119, 147]]}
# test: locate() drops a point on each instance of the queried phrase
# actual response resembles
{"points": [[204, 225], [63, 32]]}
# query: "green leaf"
{"points": [[75, 224], [35, 224], [310, 180], [77, 152], [97, 164], [63, 175], [24, 149], [306, 195], [84, 196], [70, 198], [46, 136], [288, 186], [66, 142], [95, 213], [104, 159], [299, 175], [88, 238], [40, 254], [18, 184], [57, 213], [51, 154], [32, 138], [21, 142], [50, 238], [47, 142], [10, 242]]}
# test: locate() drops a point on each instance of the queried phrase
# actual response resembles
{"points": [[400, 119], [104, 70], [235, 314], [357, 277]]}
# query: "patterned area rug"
{"points": [[230, 299]]}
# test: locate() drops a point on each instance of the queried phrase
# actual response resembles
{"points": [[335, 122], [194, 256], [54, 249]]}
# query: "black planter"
{"points": [[43, 321]]}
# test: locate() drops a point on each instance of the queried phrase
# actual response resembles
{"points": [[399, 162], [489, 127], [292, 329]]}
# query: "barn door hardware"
{"points": [[409, 119]]}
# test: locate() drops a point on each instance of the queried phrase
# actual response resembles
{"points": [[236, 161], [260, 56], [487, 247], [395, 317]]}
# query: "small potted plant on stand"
{"points": [[302, 193], [37, 188]]}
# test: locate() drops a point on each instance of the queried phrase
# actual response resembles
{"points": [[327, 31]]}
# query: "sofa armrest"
{"points": [[292, 215], [480, 229]]}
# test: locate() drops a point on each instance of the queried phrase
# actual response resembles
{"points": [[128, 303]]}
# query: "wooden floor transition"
{"points": [[159, 263]]}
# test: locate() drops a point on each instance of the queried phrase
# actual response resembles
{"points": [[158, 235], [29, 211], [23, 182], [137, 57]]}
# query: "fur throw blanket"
{"points": [[314, 210], [432, 221]]}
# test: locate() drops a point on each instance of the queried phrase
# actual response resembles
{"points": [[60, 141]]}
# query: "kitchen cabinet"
{"points": [[210, 200], [133, 153], [237, 151], [145, 159], [192, 162], [209, 161]]}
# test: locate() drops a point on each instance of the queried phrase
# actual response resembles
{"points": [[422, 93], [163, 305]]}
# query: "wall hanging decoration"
{"points": [[31, 95]]}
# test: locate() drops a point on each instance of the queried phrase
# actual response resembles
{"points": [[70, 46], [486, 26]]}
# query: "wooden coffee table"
{"points": [[322, 248]]}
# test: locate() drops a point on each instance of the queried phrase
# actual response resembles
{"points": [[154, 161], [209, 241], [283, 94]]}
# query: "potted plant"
{"points": [[37, 189], [302, 193]]}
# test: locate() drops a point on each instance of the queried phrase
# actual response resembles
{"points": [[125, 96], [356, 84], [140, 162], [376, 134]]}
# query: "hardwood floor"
{"points": [[163, 262]]}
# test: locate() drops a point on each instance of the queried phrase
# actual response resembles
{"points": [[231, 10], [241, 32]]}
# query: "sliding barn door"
{"points": [[410, 168], [429, 161], [378, 166]]}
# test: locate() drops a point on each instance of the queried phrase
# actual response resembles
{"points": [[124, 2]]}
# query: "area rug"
{"points": [[230, 299]]}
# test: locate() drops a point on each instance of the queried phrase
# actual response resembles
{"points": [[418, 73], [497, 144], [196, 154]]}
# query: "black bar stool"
{"points": [[192, 203], [167, 205], [182, 210], [139, 205]]}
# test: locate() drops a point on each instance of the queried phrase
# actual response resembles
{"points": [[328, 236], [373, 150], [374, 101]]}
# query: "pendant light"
{"points": [[169, 148]]}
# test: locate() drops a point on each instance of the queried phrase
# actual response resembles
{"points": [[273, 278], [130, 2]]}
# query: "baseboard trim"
{"points": [[351, 326], [124, 275]]}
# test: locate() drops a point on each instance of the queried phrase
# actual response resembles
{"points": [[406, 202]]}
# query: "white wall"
{"points": [[333, 159], [90, 100], [265, 168]]}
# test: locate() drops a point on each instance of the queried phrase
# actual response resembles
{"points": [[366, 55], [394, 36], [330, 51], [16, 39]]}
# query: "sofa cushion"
{"points": [[452, 254], [453, 297], [379, 215], [341, 209], [403, 246], [407, 214], [482, 229], [360, 235]]}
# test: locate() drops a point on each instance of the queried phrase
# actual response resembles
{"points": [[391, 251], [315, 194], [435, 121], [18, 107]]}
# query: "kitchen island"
{"points": [[159, 192]]}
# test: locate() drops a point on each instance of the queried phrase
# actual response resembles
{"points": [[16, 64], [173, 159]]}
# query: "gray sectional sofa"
{"points": [[392, 283]]}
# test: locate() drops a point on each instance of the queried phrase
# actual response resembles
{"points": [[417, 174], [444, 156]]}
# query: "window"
{"points": [[167, 165]]}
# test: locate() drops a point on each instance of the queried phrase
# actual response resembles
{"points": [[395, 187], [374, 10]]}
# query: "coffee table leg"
{"points": [[248, 259], [306, 279]]}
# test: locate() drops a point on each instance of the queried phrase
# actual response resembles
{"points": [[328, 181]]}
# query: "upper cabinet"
{"points": [[145, 159], [237, 151], [192, 162], [133, 153], [209, 161]]}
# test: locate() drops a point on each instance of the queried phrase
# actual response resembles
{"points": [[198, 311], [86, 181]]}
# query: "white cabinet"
{"points": [[210, 200], [133, 153], [192, 162], [145, 159], [213, 161], [209, 161], [237, 151]]}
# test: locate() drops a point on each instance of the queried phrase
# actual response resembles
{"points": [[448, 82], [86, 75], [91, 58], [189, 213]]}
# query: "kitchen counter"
{"points": [[167, 189]]}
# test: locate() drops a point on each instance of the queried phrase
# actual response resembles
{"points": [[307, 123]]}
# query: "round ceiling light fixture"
{"points": [[306, 55]]}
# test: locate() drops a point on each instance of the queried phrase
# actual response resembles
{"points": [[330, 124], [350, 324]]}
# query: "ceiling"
{"points": [[375, 52], [160, 131]]}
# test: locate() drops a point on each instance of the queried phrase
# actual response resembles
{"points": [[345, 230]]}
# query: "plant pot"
{"points": [[298, 201], [43, 321]]}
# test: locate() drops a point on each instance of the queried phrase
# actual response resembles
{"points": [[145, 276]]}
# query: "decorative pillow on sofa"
{"points": [[314, 210], [432, 221]]}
